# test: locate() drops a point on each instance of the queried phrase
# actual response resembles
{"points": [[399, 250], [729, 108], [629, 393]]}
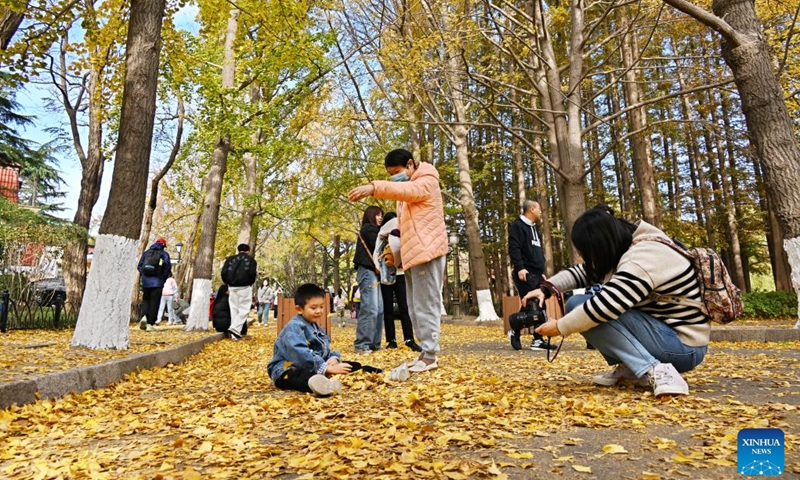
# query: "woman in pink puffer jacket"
{"points": [[423, 248]]}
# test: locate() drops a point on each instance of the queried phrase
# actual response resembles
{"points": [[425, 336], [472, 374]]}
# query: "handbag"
{"points": [[375, 266]]}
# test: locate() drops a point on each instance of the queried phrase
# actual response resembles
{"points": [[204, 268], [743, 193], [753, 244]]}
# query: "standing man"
{"points": [[154, 268], [239, 273], [527, 259]]}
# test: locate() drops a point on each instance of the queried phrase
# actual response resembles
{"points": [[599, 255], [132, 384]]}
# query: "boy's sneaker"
{"points": [[513, 337], [143, 324], [667, 381], [234, 336], [150, 328], [322, 386], [363, 350], [539, 344], [620, 373]]}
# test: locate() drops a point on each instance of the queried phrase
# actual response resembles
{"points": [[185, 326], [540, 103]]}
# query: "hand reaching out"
{"points": [[358, 193]]}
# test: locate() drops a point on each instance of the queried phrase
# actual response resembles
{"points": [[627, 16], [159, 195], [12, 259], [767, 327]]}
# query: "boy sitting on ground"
{"points": [[302, 358]]}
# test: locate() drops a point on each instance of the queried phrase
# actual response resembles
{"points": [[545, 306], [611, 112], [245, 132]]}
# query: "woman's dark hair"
{"points": [[389, 216], [601, 239], [370, 215], [223, 290], [397, 157]]}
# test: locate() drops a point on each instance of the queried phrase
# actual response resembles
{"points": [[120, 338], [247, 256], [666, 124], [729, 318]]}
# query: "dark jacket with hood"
{"points": [[525, 247], [156, 281]]}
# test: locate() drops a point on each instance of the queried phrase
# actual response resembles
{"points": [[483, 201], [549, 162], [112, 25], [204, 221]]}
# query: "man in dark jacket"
{"points": [[154, 269], [239, 272], [527, 260]]}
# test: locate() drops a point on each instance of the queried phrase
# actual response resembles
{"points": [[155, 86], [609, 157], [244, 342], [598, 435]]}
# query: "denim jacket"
{"points": [[302, 345]]}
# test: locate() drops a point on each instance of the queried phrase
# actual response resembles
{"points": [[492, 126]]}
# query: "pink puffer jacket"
{"points": [[420, 210]]}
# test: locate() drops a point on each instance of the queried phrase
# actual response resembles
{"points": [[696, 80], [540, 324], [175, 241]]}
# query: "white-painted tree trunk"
{"points": [[486, 312], [792, 247], [201, 300], [104, 318]]}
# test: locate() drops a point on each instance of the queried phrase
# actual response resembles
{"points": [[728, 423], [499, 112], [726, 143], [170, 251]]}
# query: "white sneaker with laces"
{"points": [[620, 373], [667, 381]]}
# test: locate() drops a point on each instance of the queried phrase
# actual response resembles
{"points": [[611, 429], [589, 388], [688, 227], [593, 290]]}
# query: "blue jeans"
{"points": [[370, 315], [639, 341], [263, 307]]}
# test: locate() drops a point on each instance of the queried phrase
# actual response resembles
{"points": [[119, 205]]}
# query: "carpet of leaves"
{"points": [[28, 353], [487, 412]]}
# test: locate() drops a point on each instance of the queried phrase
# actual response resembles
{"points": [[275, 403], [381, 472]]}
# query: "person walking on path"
{"points": [[423, 243], [154, 268], [340, 303], [264, 299], [239, 273], [302, 359], [168, 294], [646, 320], [527, 260], [369, 329], [390, 231]]}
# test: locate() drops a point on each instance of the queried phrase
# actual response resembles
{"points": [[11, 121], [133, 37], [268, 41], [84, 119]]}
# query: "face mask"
{"points": [[400, 177]]}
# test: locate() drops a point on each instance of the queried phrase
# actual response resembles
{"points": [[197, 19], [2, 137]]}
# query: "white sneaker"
{"points": [[620, 373], [322, 386], [400, 373], [421, 366], [667, 381]]}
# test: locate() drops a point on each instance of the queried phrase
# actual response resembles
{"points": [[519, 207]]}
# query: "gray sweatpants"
{"points": [[424, 294]]}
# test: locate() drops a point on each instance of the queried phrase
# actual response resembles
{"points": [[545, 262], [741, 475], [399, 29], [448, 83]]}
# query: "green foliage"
{"points": [[770, 304], [24, 225]]}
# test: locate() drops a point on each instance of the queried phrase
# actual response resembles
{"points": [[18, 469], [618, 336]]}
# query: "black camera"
{"points": [[530, 316]]}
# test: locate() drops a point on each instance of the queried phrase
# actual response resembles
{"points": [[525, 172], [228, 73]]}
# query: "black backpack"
{"points": [[152, 265], [239, 271]]}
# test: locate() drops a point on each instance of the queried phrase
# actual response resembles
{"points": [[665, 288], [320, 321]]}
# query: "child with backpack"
{"points": [[650, 320]]}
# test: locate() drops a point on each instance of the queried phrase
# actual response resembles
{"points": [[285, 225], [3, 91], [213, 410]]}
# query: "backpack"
{"points": [[722, 300], [152, 264], [239, 271]]}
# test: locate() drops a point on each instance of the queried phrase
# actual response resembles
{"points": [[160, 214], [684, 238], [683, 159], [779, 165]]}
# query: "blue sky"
{"points": [[32, 99]]}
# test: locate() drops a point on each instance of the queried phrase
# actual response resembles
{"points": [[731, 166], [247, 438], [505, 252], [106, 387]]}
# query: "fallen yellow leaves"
{"points": [[487, 412]]}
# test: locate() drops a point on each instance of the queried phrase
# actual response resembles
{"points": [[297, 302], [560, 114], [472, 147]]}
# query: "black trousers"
{"points": [[524, 287], [397, 290], [296, 379], [151, 298]]}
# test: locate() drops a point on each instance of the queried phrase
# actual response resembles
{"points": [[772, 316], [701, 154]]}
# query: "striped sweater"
{"points": [[646, 267]]}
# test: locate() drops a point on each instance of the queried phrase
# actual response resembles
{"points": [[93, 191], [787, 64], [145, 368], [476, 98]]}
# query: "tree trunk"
{"points": [[641, 149], [621, 169], [92, 163], [104, 317], [153, 201], [9, 23], [731, 224], [337, 257], [204, 262]]}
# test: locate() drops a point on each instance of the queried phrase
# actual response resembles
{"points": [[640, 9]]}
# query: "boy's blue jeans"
{"points": [[639, 341]]}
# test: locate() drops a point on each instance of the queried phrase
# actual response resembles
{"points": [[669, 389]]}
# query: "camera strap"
{"points": [[560, 298]]}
